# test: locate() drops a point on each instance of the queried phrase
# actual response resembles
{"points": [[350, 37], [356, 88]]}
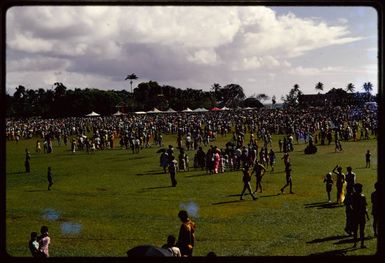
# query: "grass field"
{"points": [[105, 203]]}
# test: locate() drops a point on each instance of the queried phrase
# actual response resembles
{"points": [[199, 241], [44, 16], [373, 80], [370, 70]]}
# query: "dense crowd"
{"points": [[194, 131]]}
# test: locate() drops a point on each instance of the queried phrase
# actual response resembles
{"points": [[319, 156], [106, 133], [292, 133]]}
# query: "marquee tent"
{"points": [[170, 110], [216, 109], [155, 111], [118, 113], [187, 110], [93, 114], [200, 110]]}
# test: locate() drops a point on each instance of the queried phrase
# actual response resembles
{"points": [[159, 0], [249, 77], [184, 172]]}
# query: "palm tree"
{"points": [[350, 87], [319, 86], [131, 77], [368, 87]]}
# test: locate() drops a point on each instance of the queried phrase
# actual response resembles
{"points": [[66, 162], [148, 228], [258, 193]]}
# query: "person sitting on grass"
{"points": [[171, 246]]}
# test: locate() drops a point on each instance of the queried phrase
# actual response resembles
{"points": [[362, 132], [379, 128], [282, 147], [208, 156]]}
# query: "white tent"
{"points": [[170, 110], [93, 114], [140, 112], [200, 110], [155, 111], [225, 108], [187, 110], [118, 113]]}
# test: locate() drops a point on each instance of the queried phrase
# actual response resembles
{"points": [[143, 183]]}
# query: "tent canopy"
{"points": [[200, 110], [118, 113], [187, 110], [216, 109], [170, 110], [155, 111], [93, 114]]}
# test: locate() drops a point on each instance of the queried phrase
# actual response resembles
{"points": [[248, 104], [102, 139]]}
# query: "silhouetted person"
{"points": [[288, 179], [375, 208], [171, 246], [49, 178], [246, 182], [259, 170], [359, 213], [172, 165], [367, 159], [27, 161], [329, 185], [340, 183]]}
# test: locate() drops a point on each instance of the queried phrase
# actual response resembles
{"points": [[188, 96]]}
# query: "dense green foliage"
{"points": [[121, 200], [63, 102]]}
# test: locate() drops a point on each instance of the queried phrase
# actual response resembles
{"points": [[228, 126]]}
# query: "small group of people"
{"points": [[354, 201], [183, 247], [39, 245]]}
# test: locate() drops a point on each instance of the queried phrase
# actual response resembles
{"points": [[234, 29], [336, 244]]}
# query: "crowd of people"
{"points": [[196, 131]]}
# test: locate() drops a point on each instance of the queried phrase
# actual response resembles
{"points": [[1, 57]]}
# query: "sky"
{"points": [[263, 49]]}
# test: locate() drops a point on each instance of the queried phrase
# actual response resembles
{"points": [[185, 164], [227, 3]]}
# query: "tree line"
{"points": [[59, 101]]}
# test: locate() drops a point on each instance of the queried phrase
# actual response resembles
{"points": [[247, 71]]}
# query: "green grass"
{"points": [[122, 200]]}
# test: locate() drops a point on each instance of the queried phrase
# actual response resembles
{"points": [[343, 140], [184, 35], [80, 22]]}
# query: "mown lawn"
{"points": [[102, 204]]}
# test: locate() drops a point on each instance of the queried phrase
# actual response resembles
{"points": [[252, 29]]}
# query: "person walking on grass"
{"points": [[49, 177], [288, 179], [186, 238], [246, 182], [359, 213], [259, 171], [329, 185]]}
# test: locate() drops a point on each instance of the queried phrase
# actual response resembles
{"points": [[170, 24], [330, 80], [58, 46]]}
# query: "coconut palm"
{"points": [[368, 87], [131, 77], [319, 86], [350, 87]]}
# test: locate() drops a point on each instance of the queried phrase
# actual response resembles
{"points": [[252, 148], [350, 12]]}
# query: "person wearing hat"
{"points": [[246, 182], [329, 185]]}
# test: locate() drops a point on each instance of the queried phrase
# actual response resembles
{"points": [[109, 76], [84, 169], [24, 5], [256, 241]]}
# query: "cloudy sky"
{"points": [[263, 49]]}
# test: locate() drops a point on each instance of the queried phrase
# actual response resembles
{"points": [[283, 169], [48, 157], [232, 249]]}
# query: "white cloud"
{"points": [[169, 44]]}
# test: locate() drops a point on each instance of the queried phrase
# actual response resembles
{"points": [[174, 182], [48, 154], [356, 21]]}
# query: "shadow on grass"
{"points": [[157, 187], [36, 190], [227, 202], [351, 240], [21, 172], [199, 175], [336, 252], [322, 205], [262, 196], [151, 173], [325, 239]]}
